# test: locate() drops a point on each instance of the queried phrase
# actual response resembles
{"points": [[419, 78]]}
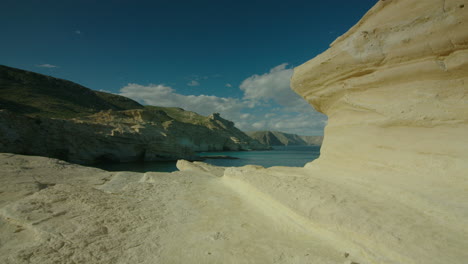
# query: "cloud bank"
{"points": [[50, 66], [161, 95], [268, 103]]}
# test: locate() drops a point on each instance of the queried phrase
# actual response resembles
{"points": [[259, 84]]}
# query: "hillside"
{"points": [[276, 138], [35, 94], [46, 116]]}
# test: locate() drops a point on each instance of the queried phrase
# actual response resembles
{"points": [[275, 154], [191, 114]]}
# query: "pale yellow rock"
{"points": [[395, 89], [391, 185], [181, 217]]}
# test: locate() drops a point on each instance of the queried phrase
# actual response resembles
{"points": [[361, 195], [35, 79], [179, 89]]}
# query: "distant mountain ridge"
{"points": [[276, 138]]}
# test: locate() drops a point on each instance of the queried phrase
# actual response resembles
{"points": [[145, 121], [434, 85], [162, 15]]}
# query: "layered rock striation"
{"points": [[396, 83], [390, 185], [394, 88], [120, 136]]}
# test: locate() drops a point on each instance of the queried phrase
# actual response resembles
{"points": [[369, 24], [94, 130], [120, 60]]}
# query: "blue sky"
{"points": [[232, 57]]}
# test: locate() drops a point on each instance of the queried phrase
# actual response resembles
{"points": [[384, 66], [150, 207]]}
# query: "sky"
{"points": [[231, 57]]}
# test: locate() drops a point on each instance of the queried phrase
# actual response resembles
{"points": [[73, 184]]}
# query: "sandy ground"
{"points": [[55, 212], [85, 215]]}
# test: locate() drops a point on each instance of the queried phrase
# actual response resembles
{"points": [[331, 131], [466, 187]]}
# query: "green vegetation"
{"points": [[35, 94], [181, 115]]}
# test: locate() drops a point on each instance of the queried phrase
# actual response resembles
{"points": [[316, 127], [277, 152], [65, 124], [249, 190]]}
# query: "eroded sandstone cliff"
{"points": [[396, 83], [395, 90], [390, 186]]}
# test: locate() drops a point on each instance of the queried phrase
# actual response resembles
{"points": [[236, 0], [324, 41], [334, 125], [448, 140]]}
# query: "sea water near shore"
{"points": [[291, 156]]}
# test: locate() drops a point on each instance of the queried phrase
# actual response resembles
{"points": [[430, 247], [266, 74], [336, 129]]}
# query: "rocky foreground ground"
{"points": [[390, 186], [55, 212]]}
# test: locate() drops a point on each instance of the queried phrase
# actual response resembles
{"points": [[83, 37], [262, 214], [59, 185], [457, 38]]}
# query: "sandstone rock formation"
{"points": [[395, 83], [120, 136], [55, 212], [390, 185], [394, 88], [276, 138]]}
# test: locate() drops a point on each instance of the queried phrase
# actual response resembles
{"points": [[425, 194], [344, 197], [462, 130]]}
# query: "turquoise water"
{"points": [[161, 166], [292, 156]]}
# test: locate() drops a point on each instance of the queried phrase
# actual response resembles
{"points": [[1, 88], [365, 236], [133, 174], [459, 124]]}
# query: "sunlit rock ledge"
{"points": [[390, 186]]}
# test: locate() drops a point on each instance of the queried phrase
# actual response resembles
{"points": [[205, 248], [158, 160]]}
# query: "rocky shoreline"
{"points": [[120, 136]]}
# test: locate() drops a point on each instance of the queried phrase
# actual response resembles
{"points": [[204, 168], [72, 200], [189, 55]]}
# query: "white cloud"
{"points": [[274, 86], [245, 116], [161, 95], [50, 66], [193, 83], [269, 103], [259, 125], [294, 114], [228, 85], [294, 123]]}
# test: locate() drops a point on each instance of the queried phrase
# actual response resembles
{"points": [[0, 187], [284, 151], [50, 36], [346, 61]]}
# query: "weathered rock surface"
{"points": [[276, 138], [394, 88], [119, 136], [87, 215], [390, 186]]}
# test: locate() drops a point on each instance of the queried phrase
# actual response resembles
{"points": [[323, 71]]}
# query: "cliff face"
{"points": [[119, 136], [394, 88], [56, 118], [276, 138]]}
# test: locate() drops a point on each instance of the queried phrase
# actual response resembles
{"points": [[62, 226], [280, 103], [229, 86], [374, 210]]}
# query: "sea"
{"points": [[292, 156]]}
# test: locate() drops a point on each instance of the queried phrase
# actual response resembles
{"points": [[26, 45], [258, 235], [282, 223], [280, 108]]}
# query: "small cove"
{"points": [[292, 156]]}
